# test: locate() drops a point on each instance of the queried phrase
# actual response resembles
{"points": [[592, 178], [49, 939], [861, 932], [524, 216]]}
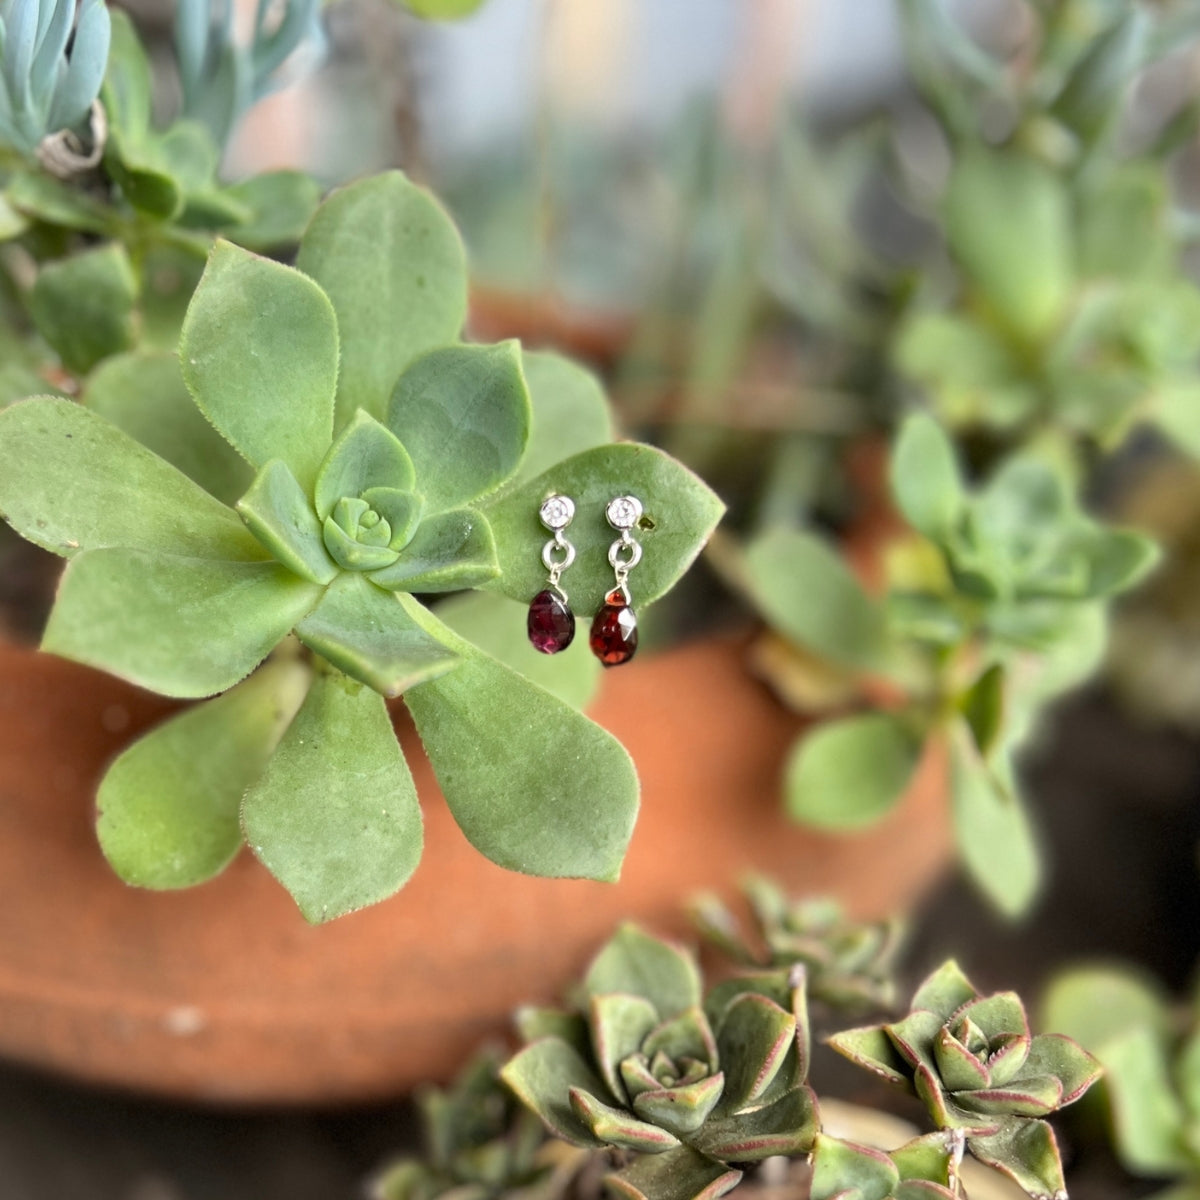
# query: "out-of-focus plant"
{"points": [[849, 964], [1150, 1048]]}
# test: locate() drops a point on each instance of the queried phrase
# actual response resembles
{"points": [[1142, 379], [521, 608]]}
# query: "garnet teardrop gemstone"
{"points": [[614, 630], [551, 622]]}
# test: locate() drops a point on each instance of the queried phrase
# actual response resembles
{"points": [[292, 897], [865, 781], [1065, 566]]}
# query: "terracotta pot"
{"points": [[223, 993]]}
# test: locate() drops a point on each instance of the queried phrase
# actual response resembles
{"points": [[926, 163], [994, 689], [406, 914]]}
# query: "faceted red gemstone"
{"points": [[614, 631], [551, 623]]}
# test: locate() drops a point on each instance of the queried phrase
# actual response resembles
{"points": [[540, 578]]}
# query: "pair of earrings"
{"points": [[551, 623]]}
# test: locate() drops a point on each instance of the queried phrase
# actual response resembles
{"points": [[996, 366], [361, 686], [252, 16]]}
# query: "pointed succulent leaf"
{"points": [[259, 350], [463, 413], [374, 637], [83, 306], [1119, 559], [71, 481], [167, 808], [401, 510], [992, 829], [334, 817], [1036, 1096], [870, 1047], [680, 513], [278, 513], [683, 1109], [924, 1158], [753, 1040], [366, 455], [926, 479], [848, 774], [543, 1076], [958, 1067], [448, 552], [996, 1015], [1027, 1152], [685, 1035], [845, 1171], [494, 740], [786, 1126], [680, 1174], [143, 393], [570, 412], [1067, 1061], [391, 261], [914, 1037], [806, 592], [534, 1023], [616, 1127], [1008, 1060], [619, 1023], [945, 991], [636, 963], [186, 627]]}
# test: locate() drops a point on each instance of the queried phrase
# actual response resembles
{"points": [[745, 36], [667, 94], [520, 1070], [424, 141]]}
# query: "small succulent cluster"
{"points": [[849, 965], [981, 1074], [995, 606]]}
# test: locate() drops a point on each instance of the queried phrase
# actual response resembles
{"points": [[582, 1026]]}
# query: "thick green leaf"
{"points": [[1066, 1060], [281, 204], [848, 774], [570, 412], [168, 806], [680, 512], [543, 1076], [944, 991], [497, 625], [372, 636], [1094, 1004], [617, 1127], [926, 480], [635, 963], [844, 1170], [366, 455], [186, 627], [496, 742], [870, 1047], [619, 1023], [983, 706], [449, 552], [680, 1174], [83, 306], [785, 1126], [335, 816], [44, 198], [992, 829], [70, 481], [754, 1039], [463, 414], [279, 514], [391, 261], [1008, 220], [1119, 559], [260, 355], [144, 394], [1025, 1151], [805, 590]]}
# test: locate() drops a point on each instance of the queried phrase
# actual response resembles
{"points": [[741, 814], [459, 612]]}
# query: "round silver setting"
{"points": [[557, 512], [624, 512]]}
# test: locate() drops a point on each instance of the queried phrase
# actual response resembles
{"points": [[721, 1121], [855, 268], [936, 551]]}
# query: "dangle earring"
{"points": [[614, 628], [551, 623]]}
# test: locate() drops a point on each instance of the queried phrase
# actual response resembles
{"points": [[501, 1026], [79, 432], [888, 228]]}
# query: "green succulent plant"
{"points": [[994, 607], [920, 1170], [973, 1062], [479, 1142], [686, 1084], [1150, 1049], [388, 459], [848, 964]]}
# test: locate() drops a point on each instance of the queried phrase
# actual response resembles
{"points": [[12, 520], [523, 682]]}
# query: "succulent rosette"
{"points": [[975, 1064], [643, 1066]]}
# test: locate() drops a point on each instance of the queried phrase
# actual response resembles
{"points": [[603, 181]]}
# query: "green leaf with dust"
{"points": [[392, 263], [144, 395], [334, 816], [497, 626], [1009, 224], [463, 415], [679, 1174], [374, 636], [167, 808], [993, 833], [278, 513], [71, 481], [680, 514], [186, 627], [495, 741], [83, 306], [850, 773], [805, 591], [259, 330], [926, 480]]}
